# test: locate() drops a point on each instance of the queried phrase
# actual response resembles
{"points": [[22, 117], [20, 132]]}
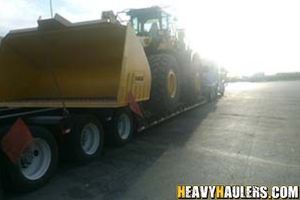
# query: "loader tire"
{"points": [[191, 86], [165, 86], [36, 166], [85, 142]]}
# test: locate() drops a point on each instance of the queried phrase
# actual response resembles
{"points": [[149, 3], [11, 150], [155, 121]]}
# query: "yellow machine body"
{"points": [[79, 65]]}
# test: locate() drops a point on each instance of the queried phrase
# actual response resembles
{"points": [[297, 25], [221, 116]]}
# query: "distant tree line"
{"points": [[259, 77]]}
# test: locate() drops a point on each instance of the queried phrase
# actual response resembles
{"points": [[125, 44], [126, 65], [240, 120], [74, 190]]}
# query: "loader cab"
{"points": [[148, 21]]}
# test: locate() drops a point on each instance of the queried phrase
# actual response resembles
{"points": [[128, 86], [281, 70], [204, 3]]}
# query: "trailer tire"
{"points": [[121, 127], [166, 83], [31, 174], [1, 177], [213, 94], [85, 141], [221, 89]]}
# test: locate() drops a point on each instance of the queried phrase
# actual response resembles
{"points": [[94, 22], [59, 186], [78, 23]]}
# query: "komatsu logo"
{"points": [[236, 192]]}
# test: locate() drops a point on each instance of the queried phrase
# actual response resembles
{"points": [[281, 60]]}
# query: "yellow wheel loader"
{"points": [[67, 85], [175, 69]]}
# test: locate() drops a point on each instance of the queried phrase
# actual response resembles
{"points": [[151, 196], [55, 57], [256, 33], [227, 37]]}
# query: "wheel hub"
{"points": [[124, 126], [35, 160], [90, 138], [172, 84]]}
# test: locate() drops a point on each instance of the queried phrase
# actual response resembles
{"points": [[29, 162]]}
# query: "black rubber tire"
{"points": [[191, 77], [114, 135], [213, 94], [1, 176], [222, 91], [14, 180], [160, 100], [73, 146]]}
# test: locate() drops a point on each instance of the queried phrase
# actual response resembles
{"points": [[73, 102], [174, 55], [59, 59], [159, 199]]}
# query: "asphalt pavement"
{"points": [[251, 136]]}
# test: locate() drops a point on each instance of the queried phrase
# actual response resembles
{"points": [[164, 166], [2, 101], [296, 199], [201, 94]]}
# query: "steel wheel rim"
{"points": [[172, 84], [124, 126], [36, 159], [90, 139]]}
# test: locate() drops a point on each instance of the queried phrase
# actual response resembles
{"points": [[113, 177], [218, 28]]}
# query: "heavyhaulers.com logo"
{"points": [[236, 192]]}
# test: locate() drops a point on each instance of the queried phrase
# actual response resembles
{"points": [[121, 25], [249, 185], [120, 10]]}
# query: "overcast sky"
{"points": [[245, 36]]}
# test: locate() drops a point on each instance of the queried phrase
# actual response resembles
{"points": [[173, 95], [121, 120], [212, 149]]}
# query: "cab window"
{"points": [[148, 24], [165, 22], [135, 24]]}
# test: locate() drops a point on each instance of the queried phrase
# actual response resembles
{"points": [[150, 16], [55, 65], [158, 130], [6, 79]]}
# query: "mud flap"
{"points": [[134, 106], [16, 140]]}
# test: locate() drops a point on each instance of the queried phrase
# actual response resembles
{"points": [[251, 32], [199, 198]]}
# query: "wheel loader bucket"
{"points": [[74, 65]]}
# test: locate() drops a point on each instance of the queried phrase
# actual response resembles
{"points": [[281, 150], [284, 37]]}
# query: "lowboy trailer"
{"points": [[63, 86]]}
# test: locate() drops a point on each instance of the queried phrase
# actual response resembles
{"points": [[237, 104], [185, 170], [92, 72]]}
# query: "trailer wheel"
{"points": [[1, 186], [121, 127], [85, 141], [36, 164]]}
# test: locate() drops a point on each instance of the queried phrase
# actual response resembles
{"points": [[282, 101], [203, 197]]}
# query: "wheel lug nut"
{"points": [[36, 153]]}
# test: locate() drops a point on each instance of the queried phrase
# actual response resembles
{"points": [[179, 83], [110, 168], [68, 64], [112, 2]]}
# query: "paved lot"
{"points": [[250, 136]]}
